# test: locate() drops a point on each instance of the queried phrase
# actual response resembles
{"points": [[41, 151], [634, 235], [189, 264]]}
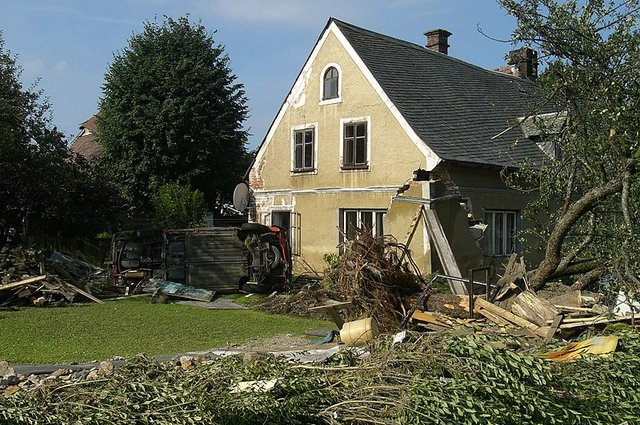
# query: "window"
{"points": [[330, 84], [303, 147], [500, 235], [354, 145], [369, 220]]}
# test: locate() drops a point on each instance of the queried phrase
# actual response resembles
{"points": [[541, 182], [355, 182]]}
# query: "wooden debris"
{"points": [[570, 299], [553, 328], [532, 308], [448, 260], [590, 321], [22, 283], [432, 320], [29, 277], [501, 316], [513, 275], [333, 308]]}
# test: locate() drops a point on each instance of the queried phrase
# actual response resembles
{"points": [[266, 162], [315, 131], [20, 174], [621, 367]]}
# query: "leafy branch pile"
{"points": [[440, 379], [372, 275]]}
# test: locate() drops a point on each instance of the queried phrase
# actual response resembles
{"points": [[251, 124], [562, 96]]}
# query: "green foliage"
{"points": [[178, 207], [42, 188], [588, 195], [172, 111], [441, 379], [332, 260]]}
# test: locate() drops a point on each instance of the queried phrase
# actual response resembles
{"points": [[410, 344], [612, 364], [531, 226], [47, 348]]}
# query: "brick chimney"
{"points": [[524, 63], [438, 40]]}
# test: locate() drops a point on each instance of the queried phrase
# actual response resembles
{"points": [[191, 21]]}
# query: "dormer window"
{"points": [[330, 83]]}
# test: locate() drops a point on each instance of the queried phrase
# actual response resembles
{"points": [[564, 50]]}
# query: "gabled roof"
{"points": [[461, 111], [86, 143]]}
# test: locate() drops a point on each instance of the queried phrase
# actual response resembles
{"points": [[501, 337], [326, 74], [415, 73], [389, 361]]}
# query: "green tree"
{"points": [[176, 206], [171, 110], [42, 188], [591, 50]]}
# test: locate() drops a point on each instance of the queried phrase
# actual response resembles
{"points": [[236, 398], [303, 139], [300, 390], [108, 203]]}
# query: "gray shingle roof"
{"points": [[455, 107]]}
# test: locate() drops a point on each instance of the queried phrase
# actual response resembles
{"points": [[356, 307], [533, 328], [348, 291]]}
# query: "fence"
{"points": [[93, 251]]}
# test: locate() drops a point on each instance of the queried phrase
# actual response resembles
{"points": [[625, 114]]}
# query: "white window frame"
{"points": [[342, 214], [490, 233], [335, 99], [355, 120], [301, 127]]}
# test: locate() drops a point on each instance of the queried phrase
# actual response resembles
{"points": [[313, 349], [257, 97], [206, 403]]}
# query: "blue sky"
{"points": [[69, 44]]}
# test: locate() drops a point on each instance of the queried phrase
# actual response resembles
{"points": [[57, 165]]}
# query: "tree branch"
{"points": [[554, 244]]}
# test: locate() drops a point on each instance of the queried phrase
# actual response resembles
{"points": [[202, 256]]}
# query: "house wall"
{"points": [[486, 190], [318, 196]]}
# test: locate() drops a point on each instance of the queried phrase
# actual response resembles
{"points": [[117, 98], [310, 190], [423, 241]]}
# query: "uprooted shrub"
{"points": [[373, 274]]}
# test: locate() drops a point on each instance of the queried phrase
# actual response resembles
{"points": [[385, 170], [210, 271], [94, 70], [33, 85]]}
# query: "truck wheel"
{"points": [[256, 288]]}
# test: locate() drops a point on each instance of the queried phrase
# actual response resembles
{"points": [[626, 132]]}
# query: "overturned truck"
{"points": [[251, 258]]}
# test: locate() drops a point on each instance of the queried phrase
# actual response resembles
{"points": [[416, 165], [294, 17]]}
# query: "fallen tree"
{"points": [[589, 189]]}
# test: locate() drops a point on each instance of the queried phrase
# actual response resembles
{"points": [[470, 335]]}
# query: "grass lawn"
{"points": [[85, 332]]}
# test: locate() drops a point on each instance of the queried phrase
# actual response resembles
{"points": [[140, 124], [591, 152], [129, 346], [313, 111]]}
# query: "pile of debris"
{"points": [[435, 378], [516, 308], [34, 277]]}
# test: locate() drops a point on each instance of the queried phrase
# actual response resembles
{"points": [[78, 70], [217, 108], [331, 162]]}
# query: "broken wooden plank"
{"points": [[507, 315], [532, 308], [430, 319], [553, 328], [443, 248], [572, 308], [83, 293], [332, 308], [492, 317], [22, 283], [589, 321]]}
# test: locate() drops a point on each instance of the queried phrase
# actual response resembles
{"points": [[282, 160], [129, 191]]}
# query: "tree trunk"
{"points": [[553, 255], [587, 279]]}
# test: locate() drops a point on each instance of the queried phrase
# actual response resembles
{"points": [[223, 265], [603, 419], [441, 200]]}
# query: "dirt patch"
{"points": [[282, 342]]}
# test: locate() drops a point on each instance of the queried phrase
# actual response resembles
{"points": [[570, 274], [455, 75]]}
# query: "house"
{"points": [[373, 127], [86, 143]]}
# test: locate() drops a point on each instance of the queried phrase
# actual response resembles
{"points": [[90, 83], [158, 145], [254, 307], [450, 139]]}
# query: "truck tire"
{"points": [[257, 288], [252, 229]]}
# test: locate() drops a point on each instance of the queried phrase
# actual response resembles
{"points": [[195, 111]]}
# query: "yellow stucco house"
{"points": [[367, 111]]}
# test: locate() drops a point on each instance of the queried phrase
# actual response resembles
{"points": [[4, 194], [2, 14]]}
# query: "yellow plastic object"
{"points": [[599, 345], [358, 332]]}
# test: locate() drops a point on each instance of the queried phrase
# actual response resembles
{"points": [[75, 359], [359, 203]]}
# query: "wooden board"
{"points": [[443, 248], [532, 308], [22, 283], [589, 321], [507, 315], [553, 328]]}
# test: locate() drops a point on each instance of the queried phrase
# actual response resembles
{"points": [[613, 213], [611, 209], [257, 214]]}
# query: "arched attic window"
{"points": [[330, 83]]}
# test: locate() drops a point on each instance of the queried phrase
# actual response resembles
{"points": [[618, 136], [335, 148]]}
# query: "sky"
{"points": [[66, 46]]}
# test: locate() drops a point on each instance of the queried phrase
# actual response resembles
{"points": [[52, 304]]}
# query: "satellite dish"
{"points": [[241, 197]]}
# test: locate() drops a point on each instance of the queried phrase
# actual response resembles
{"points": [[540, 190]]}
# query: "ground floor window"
{"points": [[500, 236], [371, 220]]}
